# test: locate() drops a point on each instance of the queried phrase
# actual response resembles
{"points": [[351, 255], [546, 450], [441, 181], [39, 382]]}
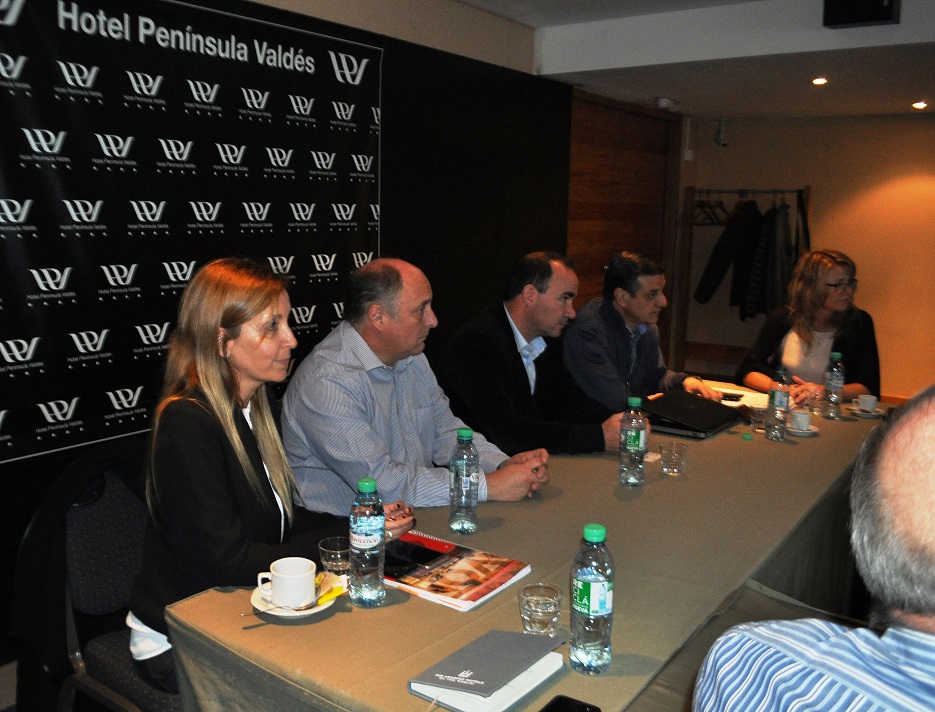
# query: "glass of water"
{"points": [[539, 607], [335, 554]]}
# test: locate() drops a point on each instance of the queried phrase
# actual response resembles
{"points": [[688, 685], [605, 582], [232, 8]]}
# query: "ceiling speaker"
{"points": [[857, 13]]}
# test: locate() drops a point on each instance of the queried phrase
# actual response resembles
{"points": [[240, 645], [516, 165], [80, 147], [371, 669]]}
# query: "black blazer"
{"points": [[485, 379], [208, 526]]}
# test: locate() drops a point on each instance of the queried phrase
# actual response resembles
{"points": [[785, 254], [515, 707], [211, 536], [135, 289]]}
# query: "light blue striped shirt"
{"points": [[347, 415], [793, 666]]}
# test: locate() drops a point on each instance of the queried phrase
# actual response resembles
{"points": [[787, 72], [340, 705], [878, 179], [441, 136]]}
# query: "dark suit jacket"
{"points": [[485, 379], [209, 527]]}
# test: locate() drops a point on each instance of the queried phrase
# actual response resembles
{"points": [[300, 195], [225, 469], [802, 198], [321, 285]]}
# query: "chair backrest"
{"points": [[104, 545]]}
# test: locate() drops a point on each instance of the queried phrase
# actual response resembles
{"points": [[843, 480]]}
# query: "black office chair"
{"points": [[83, 549]]}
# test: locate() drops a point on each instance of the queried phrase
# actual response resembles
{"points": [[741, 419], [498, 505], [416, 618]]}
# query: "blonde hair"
{"points": [[225, 294], [808, 291]]}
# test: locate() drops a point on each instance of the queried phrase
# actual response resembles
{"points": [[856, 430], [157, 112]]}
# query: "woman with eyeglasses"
{"points": [[820, 318]]}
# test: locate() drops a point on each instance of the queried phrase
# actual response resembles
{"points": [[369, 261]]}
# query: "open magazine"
{"points": [[451, 574]]}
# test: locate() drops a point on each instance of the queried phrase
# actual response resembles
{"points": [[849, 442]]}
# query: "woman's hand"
{"points": [[399, 519], [799, 390]]}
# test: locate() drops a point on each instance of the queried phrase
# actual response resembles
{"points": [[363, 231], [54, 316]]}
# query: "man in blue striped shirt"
{"points": [[365, 403], [818, 665]]}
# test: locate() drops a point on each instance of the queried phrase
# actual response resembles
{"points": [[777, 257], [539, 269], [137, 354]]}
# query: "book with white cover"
{"points": [[490, 673]]}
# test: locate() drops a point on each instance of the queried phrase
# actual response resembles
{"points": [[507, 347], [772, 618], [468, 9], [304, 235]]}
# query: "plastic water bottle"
{"points": [[778, 407], [464, 468], [834, 386], [365, 579], [632, 444], [592, 603]]}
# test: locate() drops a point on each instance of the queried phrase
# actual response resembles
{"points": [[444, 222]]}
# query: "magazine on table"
{"points": [[451, 574]]}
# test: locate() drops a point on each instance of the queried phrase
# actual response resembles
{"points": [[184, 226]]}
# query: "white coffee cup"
{"points": [[800, 420], [867, 403], [290, 582]]}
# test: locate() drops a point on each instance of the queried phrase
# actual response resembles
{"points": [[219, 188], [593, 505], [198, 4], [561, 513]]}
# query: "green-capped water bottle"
{"points": [[463, 480], [632, 444], [592, 602], [365, 578]]}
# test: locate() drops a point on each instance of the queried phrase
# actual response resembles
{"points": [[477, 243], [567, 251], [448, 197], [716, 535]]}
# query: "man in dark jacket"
{"points": [[505, 373]]}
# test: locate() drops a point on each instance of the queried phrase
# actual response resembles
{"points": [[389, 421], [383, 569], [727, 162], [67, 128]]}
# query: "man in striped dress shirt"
{"points": [[818, 665], [365, 403]]}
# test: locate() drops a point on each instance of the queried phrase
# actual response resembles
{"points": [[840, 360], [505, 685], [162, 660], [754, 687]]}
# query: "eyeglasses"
{"points": [[839, 287]]}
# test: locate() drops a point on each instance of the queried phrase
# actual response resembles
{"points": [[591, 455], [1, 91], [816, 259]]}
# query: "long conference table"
{"points": [[747, 512]]}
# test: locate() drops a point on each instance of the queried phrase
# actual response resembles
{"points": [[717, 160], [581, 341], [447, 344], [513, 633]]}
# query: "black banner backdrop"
{"points": [[138, 141]]}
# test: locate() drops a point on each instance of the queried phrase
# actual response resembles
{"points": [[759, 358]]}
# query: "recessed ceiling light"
{"points": [[919, 105], [819, 81]]}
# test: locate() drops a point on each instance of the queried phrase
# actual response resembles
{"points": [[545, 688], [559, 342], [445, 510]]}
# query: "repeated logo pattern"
{"points": [[146, 139]]}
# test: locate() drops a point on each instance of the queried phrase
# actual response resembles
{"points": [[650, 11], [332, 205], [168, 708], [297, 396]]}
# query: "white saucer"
{"points": [[865, 414], [811, 432], [264, 606]]}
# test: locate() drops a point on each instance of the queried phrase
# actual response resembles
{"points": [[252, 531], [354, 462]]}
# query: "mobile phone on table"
{"points": [[563, 703]]}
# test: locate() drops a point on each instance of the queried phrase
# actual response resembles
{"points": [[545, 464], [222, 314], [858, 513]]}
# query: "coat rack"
{"points": [[704, 207]]}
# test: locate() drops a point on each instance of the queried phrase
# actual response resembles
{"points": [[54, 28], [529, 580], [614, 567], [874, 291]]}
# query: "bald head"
{"points": [[893, 512]]}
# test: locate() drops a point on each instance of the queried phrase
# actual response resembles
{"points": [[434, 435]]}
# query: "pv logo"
{"points": [[280, 264], [84, 211], [125, 398], [18, 350], [114, 146], [362, 162], [50, 279], [89, 341], [119, 275], [254, 98], [203, 92], [324, 263], [176, 150], [343, 110], [231, 155], [323, 160], [44, 141], [58, 411], [256, 212], [302, 211], [9, 11], [78, 75], [148, 211], [301, 105], [279, 157], [361, 258], [347, 69], [179, 271], [376, 114], [375, 210], [11, 68], [343, 211], [13, 211], [338, 309], [204, 211], [145, 84], [303, 315], [152, 334]]}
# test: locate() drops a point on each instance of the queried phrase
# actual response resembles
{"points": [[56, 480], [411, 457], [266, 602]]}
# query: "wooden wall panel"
{"points": [[619, 197]]}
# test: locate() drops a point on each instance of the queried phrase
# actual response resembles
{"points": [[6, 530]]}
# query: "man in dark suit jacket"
{"points": [[505, 374]]}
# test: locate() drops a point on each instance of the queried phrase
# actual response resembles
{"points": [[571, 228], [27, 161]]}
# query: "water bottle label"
{"points": [[779, 399], [592, 598], [635, 440], [365, 541]]}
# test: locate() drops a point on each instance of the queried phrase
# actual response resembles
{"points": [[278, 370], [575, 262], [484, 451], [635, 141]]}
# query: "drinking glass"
{"points": [[539, 607], [335, 554]]}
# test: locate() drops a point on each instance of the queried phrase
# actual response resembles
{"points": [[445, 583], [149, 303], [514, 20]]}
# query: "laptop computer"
{"points": [[682, 413]]}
